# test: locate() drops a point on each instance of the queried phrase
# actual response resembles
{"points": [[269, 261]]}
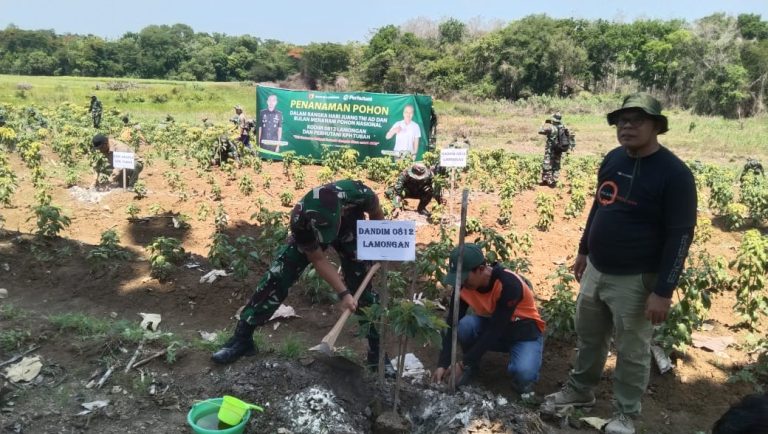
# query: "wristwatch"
{"points": [[343, 294]]}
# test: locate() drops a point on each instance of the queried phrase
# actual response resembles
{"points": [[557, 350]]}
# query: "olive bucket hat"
{"points": [[645, 102], [418, 171], [473, 257]]}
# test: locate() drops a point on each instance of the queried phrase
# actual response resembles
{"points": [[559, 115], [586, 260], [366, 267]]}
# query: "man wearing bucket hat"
{"points": [[415, 182], [325, 217], [505, 319], [629, 259], [554, 148]]}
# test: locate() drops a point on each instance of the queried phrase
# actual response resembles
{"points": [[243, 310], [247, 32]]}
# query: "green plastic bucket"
{"points": [[205, 408]]}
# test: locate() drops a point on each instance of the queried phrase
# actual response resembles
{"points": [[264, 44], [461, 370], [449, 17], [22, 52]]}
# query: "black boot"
{"points": [[373, 360], [239, 345]]}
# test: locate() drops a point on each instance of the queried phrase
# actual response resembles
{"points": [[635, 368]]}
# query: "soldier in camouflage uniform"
{"points": [[414, 182], [550, 167], [325, 217], [95, 110]]}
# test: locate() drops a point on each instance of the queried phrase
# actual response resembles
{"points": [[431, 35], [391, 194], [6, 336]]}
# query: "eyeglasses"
{"points": [[633, 121]]}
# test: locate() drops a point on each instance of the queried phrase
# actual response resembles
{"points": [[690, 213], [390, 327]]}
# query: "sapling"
{"points": [[133, 211], [286, 198]]}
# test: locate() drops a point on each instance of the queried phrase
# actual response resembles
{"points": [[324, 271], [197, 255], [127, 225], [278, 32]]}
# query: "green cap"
{"points": [[473, 257], [645, 102]]}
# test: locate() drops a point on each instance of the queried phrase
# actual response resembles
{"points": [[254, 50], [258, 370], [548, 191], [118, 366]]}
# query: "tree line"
{"points": [[715, 65]]}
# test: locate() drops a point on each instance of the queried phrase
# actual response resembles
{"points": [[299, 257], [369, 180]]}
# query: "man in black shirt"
{"points": [[630, 258]]}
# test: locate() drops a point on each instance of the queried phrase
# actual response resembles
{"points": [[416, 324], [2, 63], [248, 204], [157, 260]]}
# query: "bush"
{"points": [[164, 254], [560, 311]]}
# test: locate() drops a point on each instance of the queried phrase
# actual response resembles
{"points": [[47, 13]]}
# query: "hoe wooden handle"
{"points": [[332, 335]]}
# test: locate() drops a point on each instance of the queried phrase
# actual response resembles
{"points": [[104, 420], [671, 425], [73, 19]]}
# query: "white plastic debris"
{"points": [[412, 366], [93, 405], [150, 321], [208, 337], [418, 298], [25, 370], [284, 311], [3, 293], [212, 275], [595, 422], [661, 358]]}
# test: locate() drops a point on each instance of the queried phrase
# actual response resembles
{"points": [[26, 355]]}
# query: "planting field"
{"points": [[80, 265]]}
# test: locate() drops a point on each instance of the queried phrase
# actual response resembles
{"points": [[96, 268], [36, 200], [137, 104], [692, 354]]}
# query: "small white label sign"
{"points": [[123, 160], [453, 157], [384, 240]]}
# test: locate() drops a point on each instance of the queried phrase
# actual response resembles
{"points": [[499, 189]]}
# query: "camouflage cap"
{"points": [[645, 102], [238, 107], [556, 118], [418, 171]]}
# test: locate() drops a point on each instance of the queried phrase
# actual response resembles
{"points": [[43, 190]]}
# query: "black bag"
{"points": [[564, 141]]}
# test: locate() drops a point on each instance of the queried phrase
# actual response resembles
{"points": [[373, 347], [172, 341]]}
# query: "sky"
{"points": [[302, 21]]}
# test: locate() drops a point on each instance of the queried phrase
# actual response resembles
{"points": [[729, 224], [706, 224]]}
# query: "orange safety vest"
{"points": [[484, 304]]}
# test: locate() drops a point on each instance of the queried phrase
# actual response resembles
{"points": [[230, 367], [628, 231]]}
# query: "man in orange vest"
{"points": [[505, 319]]}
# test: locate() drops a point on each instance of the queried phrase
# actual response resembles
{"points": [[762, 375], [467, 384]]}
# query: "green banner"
{"points": [[374, 124]]}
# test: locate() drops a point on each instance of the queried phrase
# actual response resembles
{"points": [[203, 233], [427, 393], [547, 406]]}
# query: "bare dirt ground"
{"points": [[156, 398]]}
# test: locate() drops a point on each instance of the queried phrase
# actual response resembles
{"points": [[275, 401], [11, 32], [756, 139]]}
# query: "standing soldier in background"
{"points": [[95, 110], [243, 127], [559, 140]]}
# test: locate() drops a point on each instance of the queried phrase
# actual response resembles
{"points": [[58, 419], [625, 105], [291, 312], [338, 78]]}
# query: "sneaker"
{"points": [[235, 348], [424, 212], [620, 424], [568, 396]]}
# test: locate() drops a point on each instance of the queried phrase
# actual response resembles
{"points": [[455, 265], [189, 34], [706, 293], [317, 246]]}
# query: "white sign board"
{"points": [[453, 157], [384, 240], [123, 160]]}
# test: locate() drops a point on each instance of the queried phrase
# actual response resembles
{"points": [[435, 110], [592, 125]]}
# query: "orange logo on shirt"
{"points": [[607, 193]]}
